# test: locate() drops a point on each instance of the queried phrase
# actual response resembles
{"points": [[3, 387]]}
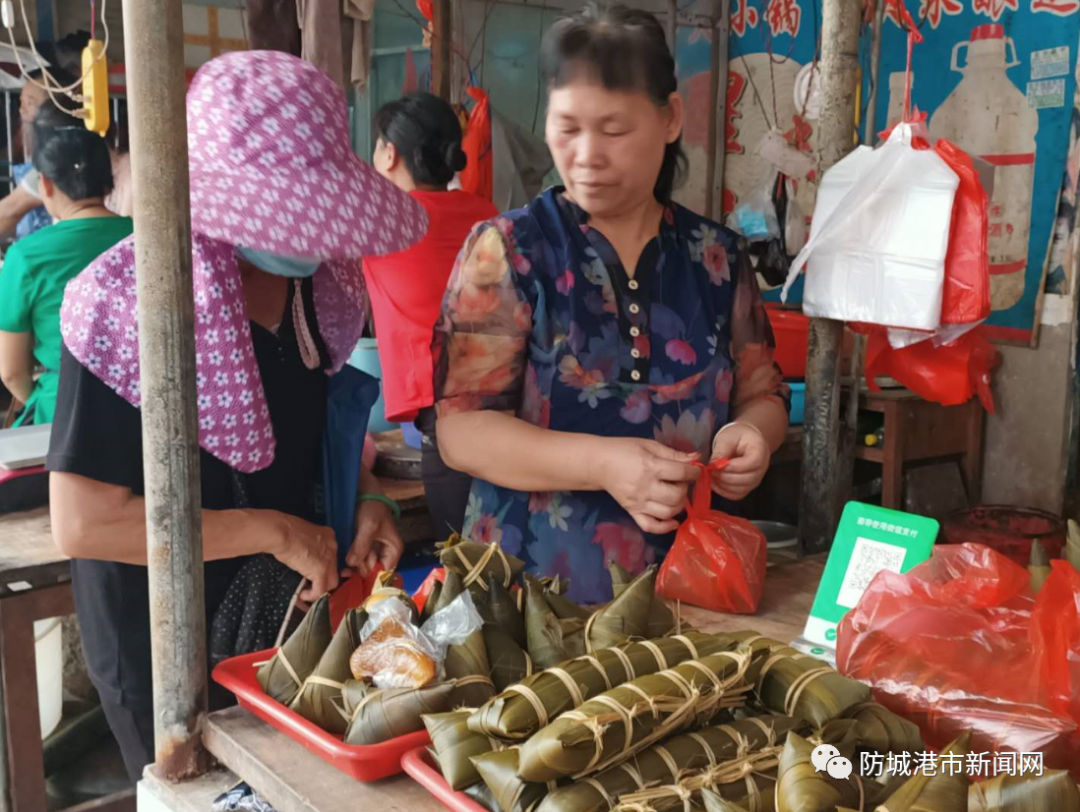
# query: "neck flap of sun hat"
{"points": [[99, 324]]}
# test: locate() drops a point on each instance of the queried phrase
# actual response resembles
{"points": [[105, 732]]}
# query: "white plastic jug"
{"points": [[989, 116], [49, 653], [878, 237]]}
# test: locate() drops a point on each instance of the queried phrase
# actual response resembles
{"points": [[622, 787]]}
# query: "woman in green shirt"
{"points": [[76, 176]]}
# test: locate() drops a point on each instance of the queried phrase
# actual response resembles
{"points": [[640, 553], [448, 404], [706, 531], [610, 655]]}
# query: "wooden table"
{"points": [[294, 780], [35, 583]]}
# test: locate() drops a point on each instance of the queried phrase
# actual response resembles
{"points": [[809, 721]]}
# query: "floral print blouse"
{"points": [[540, 319]]}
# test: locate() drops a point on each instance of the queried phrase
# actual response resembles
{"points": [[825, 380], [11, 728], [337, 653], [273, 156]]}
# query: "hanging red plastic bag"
{"points": [[950, 374], [966, 296], [717, 561], [1056, 632], [478, 174]]}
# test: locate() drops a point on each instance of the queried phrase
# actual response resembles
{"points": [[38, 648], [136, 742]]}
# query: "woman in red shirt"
{"points": [[419, 150]]}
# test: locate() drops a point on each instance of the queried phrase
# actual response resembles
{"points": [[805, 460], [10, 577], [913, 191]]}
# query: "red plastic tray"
{"points": [[364, 763], [417, 763]]}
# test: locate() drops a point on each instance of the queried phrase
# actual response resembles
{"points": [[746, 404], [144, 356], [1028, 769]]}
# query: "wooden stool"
{"points": [[919, 431]]}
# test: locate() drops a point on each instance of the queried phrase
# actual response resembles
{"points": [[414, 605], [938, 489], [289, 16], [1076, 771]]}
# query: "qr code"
{"points": [[867, 560]]}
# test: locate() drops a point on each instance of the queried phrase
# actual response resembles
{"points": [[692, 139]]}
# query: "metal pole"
{"points": [[155, 70], [720, 45], [869, 134], [822, 479]]}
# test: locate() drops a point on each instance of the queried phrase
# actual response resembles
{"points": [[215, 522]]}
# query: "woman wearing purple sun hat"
{"points": [[281, 213]]}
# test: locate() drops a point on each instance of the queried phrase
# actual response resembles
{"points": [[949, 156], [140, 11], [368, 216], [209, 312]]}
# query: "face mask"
{"points": [[291, 267]]}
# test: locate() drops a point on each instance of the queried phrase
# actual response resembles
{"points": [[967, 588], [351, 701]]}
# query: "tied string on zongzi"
{"points": [[568, 682], [474, 573], [689, 786], [727, 692], [799, 685]]}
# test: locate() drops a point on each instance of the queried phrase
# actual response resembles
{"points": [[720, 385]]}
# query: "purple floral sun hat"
{"points": [[272, 167], [271, 170]]}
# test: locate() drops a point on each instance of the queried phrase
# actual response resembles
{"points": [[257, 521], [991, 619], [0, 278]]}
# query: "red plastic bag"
{"points": [[717, 561], [966, 293], [950, 374], [1056, 633], [478, 174], [966, 296], [949, 646]]}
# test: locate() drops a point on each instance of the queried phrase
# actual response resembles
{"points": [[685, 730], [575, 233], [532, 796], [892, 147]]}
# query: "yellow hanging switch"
{"points": [[95, 87]]}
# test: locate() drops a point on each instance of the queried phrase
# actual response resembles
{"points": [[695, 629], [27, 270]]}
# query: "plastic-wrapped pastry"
{"points": [[394, 655]]}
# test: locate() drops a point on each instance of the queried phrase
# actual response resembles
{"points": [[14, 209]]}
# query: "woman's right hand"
{"points": [[647, 478], [310, 550]]}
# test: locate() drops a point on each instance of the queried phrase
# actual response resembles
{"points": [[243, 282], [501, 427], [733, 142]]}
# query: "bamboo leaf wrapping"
{"points": [[796, 684], [882, 731], [665, 763], [939, 792], [319, 701], [378, 715], [1053, 790], [455, 746], [476, 562], [514, 716], [625, 720], [282, 677]]}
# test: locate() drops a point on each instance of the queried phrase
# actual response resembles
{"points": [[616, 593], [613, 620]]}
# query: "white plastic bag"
{"points": [[879, 236], [450, 626]]}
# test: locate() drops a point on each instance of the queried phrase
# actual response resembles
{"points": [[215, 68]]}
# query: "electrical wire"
{"points": [[51, 86]]}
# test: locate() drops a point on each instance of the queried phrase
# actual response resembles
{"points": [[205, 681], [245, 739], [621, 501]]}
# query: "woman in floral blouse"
{"points": [[595, 343]]}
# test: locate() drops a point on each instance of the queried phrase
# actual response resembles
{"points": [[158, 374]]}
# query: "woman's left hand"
{"points": [[377, 540], [749, 453]]}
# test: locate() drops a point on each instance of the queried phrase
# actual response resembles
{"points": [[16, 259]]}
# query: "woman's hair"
{"points": [[426, 133], [71, 156], [622, 49]]}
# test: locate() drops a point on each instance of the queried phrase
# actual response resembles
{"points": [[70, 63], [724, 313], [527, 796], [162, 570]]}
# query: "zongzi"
{"points": [[499, 770], [509, 662], [1051, 790], [474, 562], [452, 587], [796, 684], [513, 715], [880, 730], [625, 617], [546, 634], [1038, 566], [665, 763], [623, 721], [504, 612], [432, 600], [393, 657], [283, 676], [945, 790], [456, 745], [319, 700], [468, 666], [801, 787], [715, 803], [661, 619], [1072, 544], [377, 715]]}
